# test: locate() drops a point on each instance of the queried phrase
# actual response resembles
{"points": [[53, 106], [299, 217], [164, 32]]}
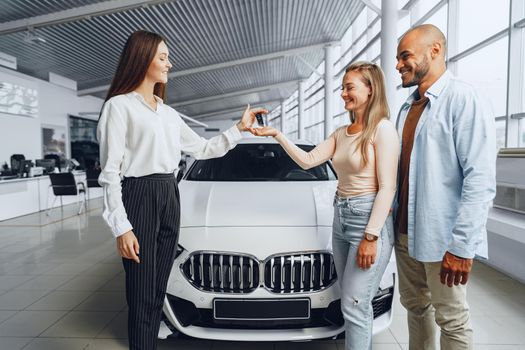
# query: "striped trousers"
{"points": [[153, 208]]}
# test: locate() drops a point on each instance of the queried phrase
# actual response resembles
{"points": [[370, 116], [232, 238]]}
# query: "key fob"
{"points": [[260, 119]]}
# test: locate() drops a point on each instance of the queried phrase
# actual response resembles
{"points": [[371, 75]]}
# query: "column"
{"points": [[300, 110], [389, 50], [329, 71], [516, 71], [283, 117]]}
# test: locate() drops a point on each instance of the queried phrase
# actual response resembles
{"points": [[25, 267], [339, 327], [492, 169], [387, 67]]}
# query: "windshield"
{"points": [[257, 162]]}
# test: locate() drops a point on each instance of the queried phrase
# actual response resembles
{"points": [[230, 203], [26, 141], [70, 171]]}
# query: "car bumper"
{"points": [[189, 310]]}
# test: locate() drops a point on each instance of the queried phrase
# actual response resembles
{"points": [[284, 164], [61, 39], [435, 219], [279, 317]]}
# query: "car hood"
{"points": [[246, 204]]}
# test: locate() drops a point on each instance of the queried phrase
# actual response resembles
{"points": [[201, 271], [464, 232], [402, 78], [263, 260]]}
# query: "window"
{"points": [[84, 143], [258, 162], [521, 134], [500, 134], [401, 97], [440, 19], [424, 6], [480, 19], [374, 50], [359, 25], [315, 133], [314, 105], [276, 123], [523, 76], [403, 24], [401, 3], [359, 46], [346, 41], [486, 69], [341, 119], [376, 28]]}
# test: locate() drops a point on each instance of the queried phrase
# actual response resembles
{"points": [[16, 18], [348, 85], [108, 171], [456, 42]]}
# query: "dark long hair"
{"points": [[137, 55]]}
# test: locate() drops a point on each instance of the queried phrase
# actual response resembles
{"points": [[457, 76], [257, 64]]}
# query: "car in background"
{"points": [[254, 261]]}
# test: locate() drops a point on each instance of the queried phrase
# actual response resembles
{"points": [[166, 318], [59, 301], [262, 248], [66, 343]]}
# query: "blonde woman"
{"points": [[365, 157]]}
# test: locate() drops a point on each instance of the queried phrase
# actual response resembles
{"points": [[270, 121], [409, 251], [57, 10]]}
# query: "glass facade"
{"points": [[480, 57]]}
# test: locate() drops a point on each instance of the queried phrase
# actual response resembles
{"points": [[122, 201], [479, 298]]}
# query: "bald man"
{"points": [[446, 184]]}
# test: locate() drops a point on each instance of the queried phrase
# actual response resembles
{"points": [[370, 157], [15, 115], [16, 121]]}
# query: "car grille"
{"points": [[301, 272], [238, 273], [220, 272], [383, 303]]}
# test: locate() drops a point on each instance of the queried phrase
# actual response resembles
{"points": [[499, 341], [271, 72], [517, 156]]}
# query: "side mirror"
{"points": [[182, 169], [180, 174]]}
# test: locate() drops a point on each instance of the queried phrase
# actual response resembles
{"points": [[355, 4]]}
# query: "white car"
{"points": [[254, 261]]}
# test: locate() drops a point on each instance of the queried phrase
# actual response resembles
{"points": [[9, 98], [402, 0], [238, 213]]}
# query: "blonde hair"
{"points": [[377, 108]]}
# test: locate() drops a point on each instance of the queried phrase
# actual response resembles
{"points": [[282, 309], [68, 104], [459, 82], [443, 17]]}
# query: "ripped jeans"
{"points": [[358, 287]]}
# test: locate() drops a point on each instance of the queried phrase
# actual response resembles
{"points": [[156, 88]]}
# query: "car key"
{"points": [[259, 118]]}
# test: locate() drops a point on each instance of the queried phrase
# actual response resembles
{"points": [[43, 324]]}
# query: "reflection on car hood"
{"points": [[215, 204]]}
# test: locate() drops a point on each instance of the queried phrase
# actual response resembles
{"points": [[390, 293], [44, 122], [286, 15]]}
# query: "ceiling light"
{"points": [[32, 38]]}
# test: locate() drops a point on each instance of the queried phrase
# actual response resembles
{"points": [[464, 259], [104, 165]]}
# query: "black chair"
{"points": [[92, 179], [17, 164], [47, 164], [55, 157], [64, 184]]}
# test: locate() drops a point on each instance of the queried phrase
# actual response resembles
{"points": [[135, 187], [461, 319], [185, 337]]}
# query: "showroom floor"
{"points": [[61, 288]]}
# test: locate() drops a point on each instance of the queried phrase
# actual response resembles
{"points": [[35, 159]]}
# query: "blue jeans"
{"points": [[358, 287]]}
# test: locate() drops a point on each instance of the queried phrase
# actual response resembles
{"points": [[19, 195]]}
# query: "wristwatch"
{"points": [[370, 237]]}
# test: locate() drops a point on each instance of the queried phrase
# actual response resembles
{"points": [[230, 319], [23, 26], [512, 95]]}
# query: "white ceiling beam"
{"points": [[74, 14], [236, 93], [269, 56], [408, 6], [184, 116], [233, 109], [372, 7], [520, 24], [222, 65], [314, 70], [214, 113]]}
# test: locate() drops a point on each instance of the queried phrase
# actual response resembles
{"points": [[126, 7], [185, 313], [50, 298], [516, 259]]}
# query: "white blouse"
{"points": [[136, 140]]}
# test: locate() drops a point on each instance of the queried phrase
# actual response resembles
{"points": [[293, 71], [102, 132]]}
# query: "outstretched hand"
{"points": [[265, 131], [248, 118]]}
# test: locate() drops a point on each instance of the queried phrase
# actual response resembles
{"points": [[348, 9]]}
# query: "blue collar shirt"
{"points": [[452, 177]]}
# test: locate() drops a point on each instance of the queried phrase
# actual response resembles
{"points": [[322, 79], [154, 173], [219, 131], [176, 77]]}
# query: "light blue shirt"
{"points": [[452, 176]]}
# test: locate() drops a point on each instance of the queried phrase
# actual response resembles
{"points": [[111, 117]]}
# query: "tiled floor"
{"points": [[61, 288]]}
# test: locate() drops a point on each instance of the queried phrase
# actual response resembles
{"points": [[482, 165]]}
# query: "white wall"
{"points": [[506, 240], [19, 134], [506, 229]]}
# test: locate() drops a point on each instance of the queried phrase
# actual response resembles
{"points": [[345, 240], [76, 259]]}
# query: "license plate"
{"points": [[261, 309]]}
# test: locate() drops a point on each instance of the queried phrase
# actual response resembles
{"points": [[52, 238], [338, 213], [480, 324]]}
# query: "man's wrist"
{"points": [[457, 256]]}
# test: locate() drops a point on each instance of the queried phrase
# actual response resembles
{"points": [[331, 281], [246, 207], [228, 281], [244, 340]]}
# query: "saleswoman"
{"points": [[141, 140]]}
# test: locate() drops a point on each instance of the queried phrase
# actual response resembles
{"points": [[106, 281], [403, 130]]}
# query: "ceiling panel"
{"points": [[199, 33], [12, 10], [240, 77], [260, 99]]}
